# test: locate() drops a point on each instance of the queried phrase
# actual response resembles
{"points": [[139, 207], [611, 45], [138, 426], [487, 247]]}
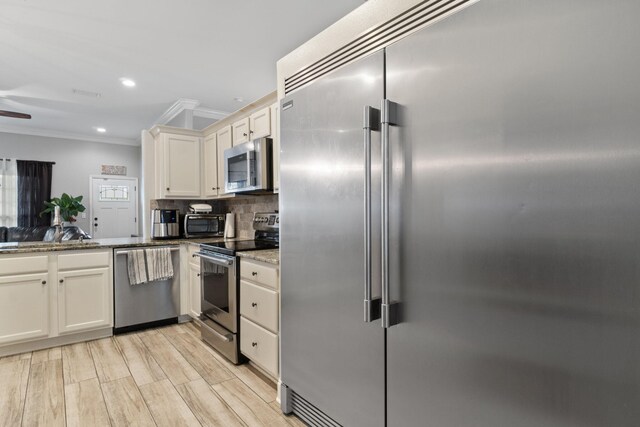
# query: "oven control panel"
{"points": [[266, 221]]}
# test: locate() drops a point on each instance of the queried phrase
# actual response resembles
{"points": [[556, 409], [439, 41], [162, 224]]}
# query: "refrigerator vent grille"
{"points": [[375, 39], [309, 413]]}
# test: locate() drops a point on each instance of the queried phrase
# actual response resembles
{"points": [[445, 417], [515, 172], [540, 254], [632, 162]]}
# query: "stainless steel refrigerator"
{"points": [[504, 224]]}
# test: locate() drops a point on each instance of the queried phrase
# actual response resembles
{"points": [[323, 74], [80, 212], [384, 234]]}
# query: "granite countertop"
{"points": [[272, 256], [125, 242]]}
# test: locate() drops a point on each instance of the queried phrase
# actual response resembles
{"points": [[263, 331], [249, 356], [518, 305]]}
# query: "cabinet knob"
{"points": [[61, 280], [44, 282], [168, 189], [250, 131], [198, 274], [254, 273], [244, 134], [214, 188], [254, 304], [254, 344]]}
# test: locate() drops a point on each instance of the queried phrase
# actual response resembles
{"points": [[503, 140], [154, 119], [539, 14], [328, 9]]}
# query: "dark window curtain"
{"points": [[34, 188]]}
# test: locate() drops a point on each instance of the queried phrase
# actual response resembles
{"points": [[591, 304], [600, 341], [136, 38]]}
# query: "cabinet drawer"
{"points": [[80, 260], [259, 304], [259, 272], [259, 345], [23, 265]]}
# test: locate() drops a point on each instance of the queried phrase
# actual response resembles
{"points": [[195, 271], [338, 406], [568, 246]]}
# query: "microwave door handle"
{"points": [[219, 261], [249, 155]]}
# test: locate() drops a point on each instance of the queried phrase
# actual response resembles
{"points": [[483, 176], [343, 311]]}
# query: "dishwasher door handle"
{"points": [[171, 248]]}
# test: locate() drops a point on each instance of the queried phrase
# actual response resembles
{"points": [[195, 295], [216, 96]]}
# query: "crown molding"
{"points": [[176, 108], [183, 104], [209, 113], [49, 133]]}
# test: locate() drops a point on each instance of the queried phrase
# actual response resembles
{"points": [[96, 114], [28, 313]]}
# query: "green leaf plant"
{"points": [[69, 206]]}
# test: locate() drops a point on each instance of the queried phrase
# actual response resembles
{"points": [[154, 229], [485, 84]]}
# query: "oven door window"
{"points": [[241, 171], [215, 287]]}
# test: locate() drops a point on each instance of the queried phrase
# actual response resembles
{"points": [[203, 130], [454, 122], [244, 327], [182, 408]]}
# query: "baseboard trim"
{"points": [[41, 344]]}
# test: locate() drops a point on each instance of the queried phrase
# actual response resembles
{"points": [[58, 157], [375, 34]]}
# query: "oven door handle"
{"points": [[220, 261]]}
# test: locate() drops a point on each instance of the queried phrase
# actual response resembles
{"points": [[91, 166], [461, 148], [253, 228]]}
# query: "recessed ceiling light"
{"points": [[101, 130], [127, 82], [238, 98]]}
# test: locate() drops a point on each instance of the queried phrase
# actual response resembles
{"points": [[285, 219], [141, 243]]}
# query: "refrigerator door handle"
{"points": [[389, 309], [370, 123]]}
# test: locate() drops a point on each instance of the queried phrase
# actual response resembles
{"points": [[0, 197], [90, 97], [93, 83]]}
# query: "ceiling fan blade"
{"points": [[14, 114]]}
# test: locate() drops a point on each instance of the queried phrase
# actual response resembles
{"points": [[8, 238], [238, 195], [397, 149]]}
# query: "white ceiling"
{"points": [[208, 50]]}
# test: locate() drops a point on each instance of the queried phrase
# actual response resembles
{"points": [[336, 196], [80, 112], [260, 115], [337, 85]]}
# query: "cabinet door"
{"points": [[224, 142], [211, 185], [24, 307], [241, 131], [260, 123], [181, 166], [194, 290], [84, 300], [275, 136]]}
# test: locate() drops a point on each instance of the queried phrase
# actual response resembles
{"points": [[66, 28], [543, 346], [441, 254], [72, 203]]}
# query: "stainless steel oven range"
{"points": [[220, 284]]}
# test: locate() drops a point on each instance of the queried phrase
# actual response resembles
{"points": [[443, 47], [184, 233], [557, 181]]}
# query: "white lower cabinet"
{"points": [[259, 314], [194, 290], [45, 296], [259, 345], [84, 300], [24, 307]]}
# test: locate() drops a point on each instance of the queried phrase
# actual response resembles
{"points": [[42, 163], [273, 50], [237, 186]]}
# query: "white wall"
{"points": [[75, 161]]}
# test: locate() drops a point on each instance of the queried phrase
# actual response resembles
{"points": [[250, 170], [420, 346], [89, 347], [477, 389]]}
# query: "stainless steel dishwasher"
{"points": [[148, 304]]}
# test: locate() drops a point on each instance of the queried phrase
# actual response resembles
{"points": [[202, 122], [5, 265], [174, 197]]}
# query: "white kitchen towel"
{"points": [[136, 267], [159, 264]]}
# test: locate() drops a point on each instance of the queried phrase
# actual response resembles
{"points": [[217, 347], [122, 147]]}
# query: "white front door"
{"points": [[114, 207]]}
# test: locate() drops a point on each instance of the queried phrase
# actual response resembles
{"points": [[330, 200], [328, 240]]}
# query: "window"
{"points": [[114, 193], [8, 193]]}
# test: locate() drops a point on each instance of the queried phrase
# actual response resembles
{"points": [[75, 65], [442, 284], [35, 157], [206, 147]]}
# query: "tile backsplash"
{"points": [[242, 206]]}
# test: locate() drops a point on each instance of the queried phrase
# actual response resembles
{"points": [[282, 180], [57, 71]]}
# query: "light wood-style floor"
{"points": [[159, 377]]}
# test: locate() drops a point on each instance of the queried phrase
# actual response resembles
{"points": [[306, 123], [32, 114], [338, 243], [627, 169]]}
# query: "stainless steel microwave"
{"points": [[247, 167], [203, 225]]}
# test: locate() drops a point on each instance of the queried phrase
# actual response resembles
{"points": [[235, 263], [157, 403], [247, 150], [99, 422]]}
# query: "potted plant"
{"points": [[69, 207]]}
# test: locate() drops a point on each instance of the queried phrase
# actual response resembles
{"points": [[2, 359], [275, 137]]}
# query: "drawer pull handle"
{"points": [[254, 304], [254, 344], [254, 273]]}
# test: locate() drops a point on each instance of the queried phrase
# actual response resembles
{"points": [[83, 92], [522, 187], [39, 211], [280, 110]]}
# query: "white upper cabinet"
{"points": [[224, 137], [211, 185], [241, 131], [181, 166], [260, 124]]}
